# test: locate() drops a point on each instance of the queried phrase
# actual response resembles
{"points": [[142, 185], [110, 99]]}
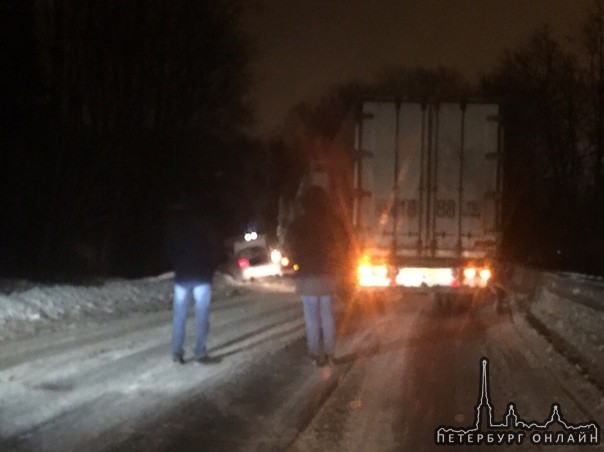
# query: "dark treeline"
{"points": [[109, 110], [551, 94]]}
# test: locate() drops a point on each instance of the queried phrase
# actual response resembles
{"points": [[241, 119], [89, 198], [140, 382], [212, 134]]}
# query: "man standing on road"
{"points": [[194, 250], [317, 242]]}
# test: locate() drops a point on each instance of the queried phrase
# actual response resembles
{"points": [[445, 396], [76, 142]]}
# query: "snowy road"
{"points": [[405, 368]]}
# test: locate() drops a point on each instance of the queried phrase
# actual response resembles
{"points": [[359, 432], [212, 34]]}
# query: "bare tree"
{"points": [[440, 84], [592, 39], [541, 92], [138, 97]]}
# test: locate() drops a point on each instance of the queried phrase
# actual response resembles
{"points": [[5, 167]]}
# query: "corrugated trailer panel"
{"points": [[444, 180], [377, 143], [433, 168], [479, 197], [410, 179]]}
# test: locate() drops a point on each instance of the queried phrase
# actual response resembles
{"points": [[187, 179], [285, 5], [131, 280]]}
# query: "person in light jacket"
{"points": [[317, 241]]}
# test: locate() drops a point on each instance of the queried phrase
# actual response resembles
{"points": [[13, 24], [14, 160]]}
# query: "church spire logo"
{"points": [[555, 430]]}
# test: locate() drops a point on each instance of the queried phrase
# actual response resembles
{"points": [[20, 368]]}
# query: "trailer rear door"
{"points": [[428, 179]]}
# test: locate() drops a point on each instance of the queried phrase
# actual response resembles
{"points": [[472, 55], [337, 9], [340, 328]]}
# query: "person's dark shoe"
{"points": [[321, 361], [314, 359], [208, 359], [178, 359]]}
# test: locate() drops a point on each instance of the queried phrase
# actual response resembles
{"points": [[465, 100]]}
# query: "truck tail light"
{"points": [[476, 276], [469, 273], [372, 275]]}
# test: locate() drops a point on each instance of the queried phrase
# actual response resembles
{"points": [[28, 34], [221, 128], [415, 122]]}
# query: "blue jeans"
{"points": [[318, 315], [202, 292]]}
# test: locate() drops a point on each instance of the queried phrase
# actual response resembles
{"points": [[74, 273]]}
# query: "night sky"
{"points": [[306, 46]]}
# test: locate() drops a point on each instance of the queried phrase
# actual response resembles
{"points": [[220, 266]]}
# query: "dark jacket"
{"points": [[318, 243], [193, 246]]}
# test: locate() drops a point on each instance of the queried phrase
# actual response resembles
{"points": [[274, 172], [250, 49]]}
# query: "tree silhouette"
{"points": [[539, 88], [137, 99], [592, 40]]}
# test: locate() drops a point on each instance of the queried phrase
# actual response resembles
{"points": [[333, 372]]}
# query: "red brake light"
{"points": [[243, 263]]}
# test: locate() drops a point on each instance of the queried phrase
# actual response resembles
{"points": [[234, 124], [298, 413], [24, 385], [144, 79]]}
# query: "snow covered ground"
{"points": [[27, 308], [69, 388], [63, 387], [568, 307], [571, 307]]}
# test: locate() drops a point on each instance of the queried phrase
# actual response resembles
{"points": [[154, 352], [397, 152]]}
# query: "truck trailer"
{"points": [[426, 198]]}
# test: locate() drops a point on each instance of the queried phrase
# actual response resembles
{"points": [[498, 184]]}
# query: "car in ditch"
{"points": [[254, 257]]}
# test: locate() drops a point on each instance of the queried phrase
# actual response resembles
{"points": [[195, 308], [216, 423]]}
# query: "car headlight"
{"points": [[276, 256]]}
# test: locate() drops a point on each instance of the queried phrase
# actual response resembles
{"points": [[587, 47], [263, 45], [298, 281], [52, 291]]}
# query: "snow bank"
{"points": [[26, 308], [29, 308], [571, 307], [574, 309]]}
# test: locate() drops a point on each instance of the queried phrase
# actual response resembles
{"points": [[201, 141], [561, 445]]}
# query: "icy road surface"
{"points": [[404, 368]]}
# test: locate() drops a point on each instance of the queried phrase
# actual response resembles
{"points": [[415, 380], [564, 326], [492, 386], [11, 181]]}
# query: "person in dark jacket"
{"points": [[194, 250], [317, 242]]}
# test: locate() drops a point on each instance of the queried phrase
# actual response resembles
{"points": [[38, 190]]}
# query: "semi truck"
{"points": [[426, 207], [419, 186]]}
